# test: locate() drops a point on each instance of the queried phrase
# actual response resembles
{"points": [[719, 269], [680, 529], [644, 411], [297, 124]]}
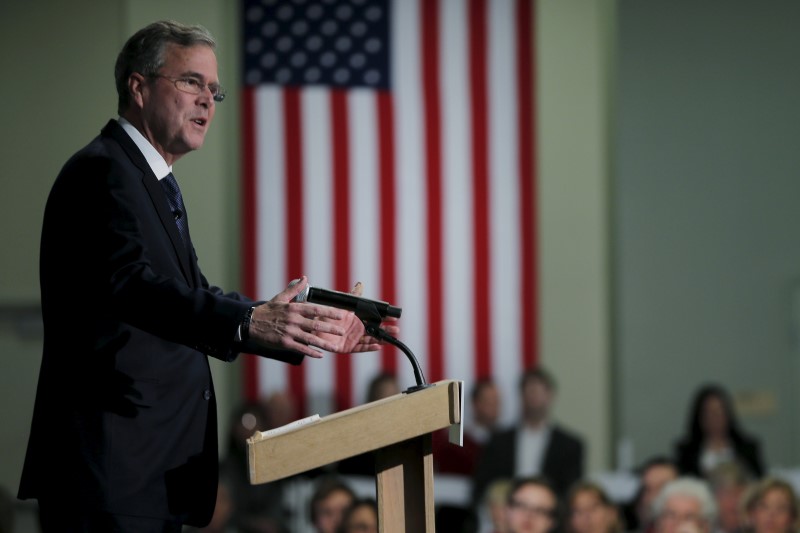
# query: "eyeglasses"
{"points": [[194, 86], [535, 510]]}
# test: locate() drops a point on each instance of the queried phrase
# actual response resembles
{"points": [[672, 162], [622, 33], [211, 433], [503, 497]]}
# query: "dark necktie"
{"points": [[175, 200]]}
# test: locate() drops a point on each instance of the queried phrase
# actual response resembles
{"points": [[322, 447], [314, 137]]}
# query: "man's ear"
{"points": [[136, 87]]}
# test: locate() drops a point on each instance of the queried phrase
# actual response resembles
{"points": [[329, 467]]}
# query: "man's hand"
{"points": [[310, 328]]}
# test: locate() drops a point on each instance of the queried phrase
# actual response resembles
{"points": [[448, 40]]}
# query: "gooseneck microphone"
{"points": [[371, 313]]}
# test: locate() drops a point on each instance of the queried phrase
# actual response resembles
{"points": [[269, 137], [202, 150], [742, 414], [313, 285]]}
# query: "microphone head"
{"points": [[302, 296]]}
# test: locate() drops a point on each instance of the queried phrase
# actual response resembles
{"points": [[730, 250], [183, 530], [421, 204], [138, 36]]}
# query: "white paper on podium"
{"points": [[456, 433]]}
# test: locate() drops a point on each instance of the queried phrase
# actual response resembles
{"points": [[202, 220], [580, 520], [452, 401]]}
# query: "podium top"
{"points": [[354, 431]]}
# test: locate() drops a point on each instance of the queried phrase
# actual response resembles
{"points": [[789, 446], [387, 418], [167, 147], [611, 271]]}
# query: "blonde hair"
{"points": [[759, 490]]}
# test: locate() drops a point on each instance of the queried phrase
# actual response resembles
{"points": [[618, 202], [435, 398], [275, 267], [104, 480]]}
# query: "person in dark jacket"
{"points": [[535, 447], [713, 437]]}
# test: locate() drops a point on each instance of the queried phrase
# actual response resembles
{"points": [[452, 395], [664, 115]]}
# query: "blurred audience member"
{"points": [[685, 505], [485, 401], [257, 508], [771, 507], [653, 475], [536, 446], [485, 411], [729, 483], [532, 506], [279, 409], [590, 510], [381, 386], [494, 503], [360, 517], [713, 437], [328, 503]]}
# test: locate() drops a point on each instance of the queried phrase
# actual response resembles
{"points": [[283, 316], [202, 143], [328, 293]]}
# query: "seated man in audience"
{"points": [[535, 447], [685, 505], [532, 506], [653, 475]]}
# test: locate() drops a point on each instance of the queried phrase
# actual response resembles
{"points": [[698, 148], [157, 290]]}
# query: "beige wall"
{"points": [[574, 54], [59, 91]]}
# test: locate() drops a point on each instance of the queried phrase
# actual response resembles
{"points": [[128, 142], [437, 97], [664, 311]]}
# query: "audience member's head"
{"points": [[590, 510], [685, 505], [281, 409], [485, 403], [712, 416], [495, 500], [382, 386], [328, 504], [532, 506], [771, 507], [653, 475], [729, 482], [360, 517], [537, 389]]}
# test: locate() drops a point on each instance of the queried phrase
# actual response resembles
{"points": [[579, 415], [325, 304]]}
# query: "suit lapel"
{"points": [[157, 196]]}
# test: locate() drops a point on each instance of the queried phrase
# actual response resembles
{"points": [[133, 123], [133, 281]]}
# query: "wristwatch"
{"points": [[244, 327]]}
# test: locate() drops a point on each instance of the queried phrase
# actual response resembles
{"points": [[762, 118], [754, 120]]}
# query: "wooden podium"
{"points": [[397, 428]]}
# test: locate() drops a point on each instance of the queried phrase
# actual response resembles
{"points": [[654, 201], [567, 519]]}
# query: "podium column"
{"points": [[404, 484]]}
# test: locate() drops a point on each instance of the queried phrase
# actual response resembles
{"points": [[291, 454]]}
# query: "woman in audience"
{"points": [[771, 507], [590, 510], [713, 437]]}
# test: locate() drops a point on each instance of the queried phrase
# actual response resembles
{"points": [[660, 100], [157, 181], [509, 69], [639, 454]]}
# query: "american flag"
{"points": [[393, 143]]}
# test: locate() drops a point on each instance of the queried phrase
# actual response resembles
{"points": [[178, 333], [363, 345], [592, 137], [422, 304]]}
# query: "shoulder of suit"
{"points": [[565, 434]]}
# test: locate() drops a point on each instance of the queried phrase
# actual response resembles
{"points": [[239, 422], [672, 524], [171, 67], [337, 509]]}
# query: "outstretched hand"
{"points": [[309, 328], [357, 339]]}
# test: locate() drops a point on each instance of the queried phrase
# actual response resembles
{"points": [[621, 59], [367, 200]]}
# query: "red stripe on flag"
{"points": [[388, 216], [480, 186], [249, 197], [429, 21], [294, 218], [340, 136], [528, 201]]}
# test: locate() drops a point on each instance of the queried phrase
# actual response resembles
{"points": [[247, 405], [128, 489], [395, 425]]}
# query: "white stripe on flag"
{"points": [[270, 215], [365, 219], [504, 206], [411, 234], [457, 191], [317, 228]]}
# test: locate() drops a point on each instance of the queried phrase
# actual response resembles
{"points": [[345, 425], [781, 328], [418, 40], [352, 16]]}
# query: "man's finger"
{"points": [[358, 289], [294, 288]]}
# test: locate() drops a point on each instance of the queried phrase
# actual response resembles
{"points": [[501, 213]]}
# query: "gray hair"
{"points": [[144, 52], [691, 488]]}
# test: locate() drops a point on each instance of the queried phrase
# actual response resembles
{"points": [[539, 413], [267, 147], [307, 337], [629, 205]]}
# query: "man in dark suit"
{"points": [[536, 447], [124, 430]]}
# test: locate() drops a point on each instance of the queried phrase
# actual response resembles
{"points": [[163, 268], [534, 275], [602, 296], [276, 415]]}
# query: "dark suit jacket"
{"points": [[562, 464], [125, 416]]}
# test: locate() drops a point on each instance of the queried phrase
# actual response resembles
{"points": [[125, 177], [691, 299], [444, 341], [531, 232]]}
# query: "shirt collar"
{"points": [[157, 163]]}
